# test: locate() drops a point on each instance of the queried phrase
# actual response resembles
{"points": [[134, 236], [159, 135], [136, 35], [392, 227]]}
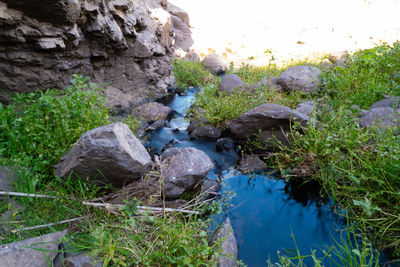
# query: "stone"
{"points": [[271, 83], [110, 154], [301, 78], [119, 101], [215, 64], [127, 45], [156, 125], [390, 102], [225, 144], [229, 245], [230, 83], [33, 252], [152, 112], [205, 132], [77, 260], [192, 56], [306, 108], [6, 179], [383, 117], [209, 188], [265, 117], [184, 171], [251, 163], [170, 152]]}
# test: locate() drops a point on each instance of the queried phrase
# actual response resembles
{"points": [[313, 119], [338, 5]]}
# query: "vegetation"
{"points": [[36, 129]]}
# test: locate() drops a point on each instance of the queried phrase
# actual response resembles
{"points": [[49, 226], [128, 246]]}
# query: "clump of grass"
{"points": [[188, 73]]}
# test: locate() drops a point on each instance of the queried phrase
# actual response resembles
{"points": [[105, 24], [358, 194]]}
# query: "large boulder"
{"points": [[34, 252], [184, 170], [215, 64], [230, 83], [301, 78], [126, 44], [382, 117], [153, 111], [109, 154], [229, 245], [268, 120]]}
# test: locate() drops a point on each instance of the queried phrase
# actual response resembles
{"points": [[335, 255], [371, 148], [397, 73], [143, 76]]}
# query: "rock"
{"points": [[77, 260], [119, 101], [109, 154], [390, 102], [192, 56], [225, 144], [229, 245], [215, 64], [6, 179], [271, 83], [184, 171], [306, 108], [301, 78], [251, 163], [170, 152], [384, 117], [156, 125], [205, 132], [209, 188], [230, 83], [153, 111], [33, 252], [268, 119], [124, 43]]}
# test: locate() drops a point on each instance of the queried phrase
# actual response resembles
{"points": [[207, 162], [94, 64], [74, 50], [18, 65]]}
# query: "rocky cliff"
{"points": [[127, 45]]}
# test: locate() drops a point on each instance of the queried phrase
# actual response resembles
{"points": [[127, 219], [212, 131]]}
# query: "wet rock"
{"points": [[156, 125], [33, 252], [215, 64], [184, 171], [271, 83], [267, 119], [192, 56], [230, 83], [209, 188], [390, 102], [306, 108], [383, 117], [251, 163], [301, 78], [197, 123], [229, 245], [225, 144], [109, 154], [129, 44], [205, 132], [170, 152], [153, 111]]}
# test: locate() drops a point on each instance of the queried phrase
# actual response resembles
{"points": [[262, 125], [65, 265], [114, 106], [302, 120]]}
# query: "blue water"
{"points": [[265, 211]]}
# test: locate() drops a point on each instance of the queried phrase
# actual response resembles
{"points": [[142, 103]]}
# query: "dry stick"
{"points": [[47, 225], [141, 208]]}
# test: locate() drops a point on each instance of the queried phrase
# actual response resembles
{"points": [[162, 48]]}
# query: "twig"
{"points": [[47, 225], [17, 194]]}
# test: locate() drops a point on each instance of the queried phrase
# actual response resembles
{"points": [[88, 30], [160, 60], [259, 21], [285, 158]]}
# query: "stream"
{"points": [[265, 211]]}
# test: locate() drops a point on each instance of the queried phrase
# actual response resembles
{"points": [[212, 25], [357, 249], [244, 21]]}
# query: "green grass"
{"points": [[36, 130]]}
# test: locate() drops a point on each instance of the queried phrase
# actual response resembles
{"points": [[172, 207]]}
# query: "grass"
{"points": [[36, 130]]}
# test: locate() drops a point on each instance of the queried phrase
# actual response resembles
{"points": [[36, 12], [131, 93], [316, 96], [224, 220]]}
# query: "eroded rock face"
{"points": [[185, 170], [127, 44], [301, 78], [110, 154]]}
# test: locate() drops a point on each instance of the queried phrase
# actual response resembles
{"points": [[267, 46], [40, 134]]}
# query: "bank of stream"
{"points": [[265, 211]]}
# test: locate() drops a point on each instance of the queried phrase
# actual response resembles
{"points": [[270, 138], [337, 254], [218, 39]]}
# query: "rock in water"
{"points": [[185, 170], [127, 44], [301, 78], [109, 154], [229, 245]]}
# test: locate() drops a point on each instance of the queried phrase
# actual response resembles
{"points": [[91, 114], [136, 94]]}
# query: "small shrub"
{"points": [[189, 73]]}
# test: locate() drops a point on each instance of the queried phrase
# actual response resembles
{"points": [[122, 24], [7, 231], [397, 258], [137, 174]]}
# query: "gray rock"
{"points": [[184, 171], [229, 245], [215, 64], [34, 252], [209, 188], [127, 44], [205, 132], [301, 78], [77, 260], [170, 152], [192, 56], [384, 117], [271, 83], [306, 108], [225, 144], [230, 83], [108, 153], [153, 111], [266, 117], [156, 125], [390, 102], [251, 163], [6, 179]]}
